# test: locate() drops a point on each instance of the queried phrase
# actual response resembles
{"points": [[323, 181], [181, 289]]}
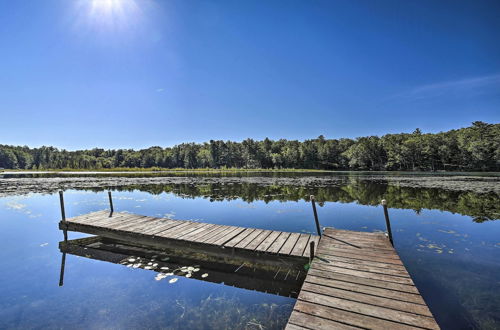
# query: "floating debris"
{"points": [[173, 280], [204, 275], [44, 244], [188, 275], [160, 276], [136, 265], [447, 231]]}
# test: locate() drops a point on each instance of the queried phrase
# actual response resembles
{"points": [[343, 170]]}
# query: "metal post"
{"points": [[110, 203], [63, 215], [311, 252], [387, 221], [313, 203], [61, 200]]}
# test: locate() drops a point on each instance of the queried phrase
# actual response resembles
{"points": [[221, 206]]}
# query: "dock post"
{"points": [[63, 214], [387, 221], [313, 203], [61, 273], [311, 252], [110, 204]]}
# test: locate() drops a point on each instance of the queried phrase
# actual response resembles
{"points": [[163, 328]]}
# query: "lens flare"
{"points": [[109, 14]]}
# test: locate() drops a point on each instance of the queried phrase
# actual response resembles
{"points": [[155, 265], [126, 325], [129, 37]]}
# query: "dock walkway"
{"points": [[357, 280], [211, 237]]}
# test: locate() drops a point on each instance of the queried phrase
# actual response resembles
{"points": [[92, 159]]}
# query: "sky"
{"points": [[79, 74]]}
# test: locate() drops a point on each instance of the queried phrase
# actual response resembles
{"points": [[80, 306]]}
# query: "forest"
{"points": [[474, 148]]}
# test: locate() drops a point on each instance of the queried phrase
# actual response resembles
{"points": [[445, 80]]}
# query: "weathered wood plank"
{"points": [[366, 309], [367, 299], [278, 243], [204, 234], [346, 254], [258, 239], [265, 244], [114, 222], [363, 280], [202, 229], [288, 246], [247, 240], [230, 235], [187, 230], [241, 236], [361, 258], [298, 249], [365, 274], [362, 252], [163, 224], [134, 224], [176, 229], [348, 317], [311, 322], [290, 326], [85, 218], [97, 219], [362, 267], [362, 288], [215, 238]]}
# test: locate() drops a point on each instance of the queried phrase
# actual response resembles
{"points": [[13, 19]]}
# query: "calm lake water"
{"points": [[448, 240]]}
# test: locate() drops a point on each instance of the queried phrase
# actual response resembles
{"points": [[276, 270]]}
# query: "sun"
{"points": [[109, 14], [107, 6]]}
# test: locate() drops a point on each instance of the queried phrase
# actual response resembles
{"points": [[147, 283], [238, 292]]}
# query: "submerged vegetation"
{"points": [[472, 148]]}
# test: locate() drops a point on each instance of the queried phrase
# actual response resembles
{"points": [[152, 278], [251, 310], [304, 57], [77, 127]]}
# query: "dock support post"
{"points": [[61, 273], [313, 203], [63, 214], [387, 221], [311, 252], [110, 204]]}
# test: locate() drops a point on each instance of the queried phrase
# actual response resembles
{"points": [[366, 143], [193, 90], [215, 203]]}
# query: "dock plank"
{"points": [[363, 288], [288, 246], [241, 236], [199, 237], [357, 279], [258, 239], [302, 243], [228, 236], [265, 244], [278, 242], [247, 240]]}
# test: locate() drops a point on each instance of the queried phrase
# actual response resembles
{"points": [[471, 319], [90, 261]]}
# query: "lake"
{"points": [[445, 229]]}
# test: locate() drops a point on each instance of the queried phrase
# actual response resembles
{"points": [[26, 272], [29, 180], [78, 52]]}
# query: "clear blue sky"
{"points": [[132, 74]]}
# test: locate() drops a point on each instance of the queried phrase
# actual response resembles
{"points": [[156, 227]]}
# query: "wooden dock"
{"points": [[355, 280], [219, 239]]}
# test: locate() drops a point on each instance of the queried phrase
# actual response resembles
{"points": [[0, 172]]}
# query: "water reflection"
{"points": [[481, 207], [284, 277]]}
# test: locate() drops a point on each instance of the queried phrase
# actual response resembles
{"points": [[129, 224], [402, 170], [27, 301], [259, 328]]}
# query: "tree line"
{"points": [[472, 148]]}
